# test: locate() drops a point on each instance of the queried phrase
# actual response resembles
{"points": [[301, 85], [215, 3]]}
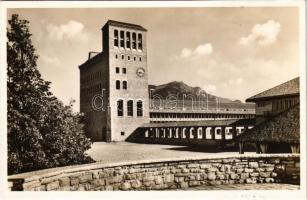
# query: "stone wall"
{"points": [[163, 174]]}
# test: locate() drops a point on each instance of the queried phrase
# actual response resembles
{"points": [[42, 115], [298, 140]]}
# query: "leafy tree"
{"points": [[42, 132]]}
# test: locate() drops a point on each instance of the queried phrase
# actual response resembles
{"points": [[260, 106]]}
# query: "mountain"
{"points": [[180, 89]]}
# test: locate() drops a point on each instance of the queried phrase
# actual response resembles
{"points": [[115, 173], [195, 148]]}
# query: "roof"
{"points": [[92, 60], [226, 122], [288, 88], [124, 25], [284, 127]]}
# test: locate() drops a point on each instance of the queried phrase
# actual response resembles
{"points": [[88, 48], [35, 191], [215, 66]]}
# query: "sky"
{"points": [[230, 52]]}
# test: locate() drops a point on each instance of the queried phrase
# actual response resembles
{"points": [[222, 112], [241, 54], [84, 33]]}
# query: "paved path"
{"points": [[266, 186], [123, 151]]}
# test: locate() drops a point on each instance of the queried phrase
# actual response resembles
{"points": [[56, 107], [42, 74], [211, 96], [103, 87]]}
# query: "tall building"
{"points": [[114, 83], [114, 91]]}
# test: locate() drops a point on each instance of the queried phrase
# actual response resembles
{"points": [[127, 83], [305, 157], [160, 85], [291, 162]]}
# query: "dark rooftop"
{"points": [[285, 127], [124, 25], [288, 88]]}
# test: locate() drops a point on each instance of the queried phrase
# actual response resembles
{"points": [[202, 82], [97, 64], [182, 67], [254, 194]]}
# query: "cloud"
{"points": [[73, 30], [201, 50], [237, 81], [262, 34], [51, 60], [209, 88]]}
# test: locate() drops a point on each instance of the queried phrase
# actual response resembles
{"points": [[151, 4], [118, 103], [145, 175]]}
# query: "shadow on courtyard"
{"points": [[207, 149]]}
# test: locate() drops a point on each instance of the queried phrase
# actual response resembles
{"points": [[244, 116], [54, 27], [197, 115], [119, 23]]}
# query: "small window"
{"points": [[123, 57], [139, 108], [128, 40], [128, 57], [124, 70], [130, 108], [122, 133], [117, 84], [140, 44], [140, 59], [134, 58], [117, 70], [116, 56], [133, 40], [122, 39], [120, 108], [125, 85], [116, 38]]}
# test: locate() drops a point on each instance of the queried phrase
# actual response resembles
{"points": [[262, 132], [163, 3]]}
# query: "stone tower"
{"points": [[114, 83]]}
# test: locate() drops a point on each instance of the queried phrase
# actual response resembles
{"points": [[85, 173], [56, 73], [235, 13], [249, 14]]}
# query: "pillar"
{"points": [[234, 132], [223, 132], [204, 132], [212, 131], [258, 150], [295, 148], [241, 147], [264, 147]]}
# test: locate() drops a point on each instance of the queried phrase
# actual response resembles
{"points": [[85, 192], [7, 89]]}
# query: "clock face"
{"points": [[140, 72]]}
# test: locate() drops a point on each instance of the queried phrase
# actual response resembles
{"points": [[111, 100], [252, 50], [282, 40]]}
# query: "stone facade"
{"points": [[162, 175]]}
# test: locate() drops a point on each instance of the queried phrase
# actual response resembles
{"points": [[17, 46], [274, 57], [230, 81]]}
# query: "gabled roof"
{"points": [[285, 127], [288, 88], [124, 25]]}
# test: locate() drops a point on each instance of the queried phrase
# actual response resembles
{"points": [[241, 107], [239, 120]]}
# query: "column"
{"points": [[212, 131], [204, 132], [223, 130], [241, 148]]}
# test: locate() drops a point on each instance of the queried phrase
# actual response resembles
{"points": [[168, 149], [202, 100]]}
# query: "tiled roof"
{"points": [[226, 122], [288, 88], [285, 127]]}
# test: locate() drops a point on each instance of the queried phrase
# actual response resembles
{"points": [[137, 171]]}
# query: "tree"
{"points": [[42, 132]]}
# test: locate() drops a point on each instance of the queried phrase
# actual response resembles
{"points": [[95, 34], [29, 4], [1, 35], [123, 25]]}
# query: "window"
{"points": [[123, 57], [117, 84], [128, 57], [124, 70], [128, 40], [140, 45], [133, 40], [117, 70], [125, 85], [122, 133], [116, 56], [140, 59], [116, 38], [139, 108], [122, 39], [130, 108], [134, 58], [120, 108]]}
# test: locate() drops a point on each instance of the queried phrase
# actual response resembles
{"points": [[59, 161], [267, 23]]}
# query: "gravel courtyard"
{"points": [[122, 152]]}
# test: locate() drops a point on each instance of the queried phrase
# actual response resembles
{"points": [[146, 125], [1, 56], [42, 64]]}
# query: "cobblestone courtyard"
{"points": [[123, 151]]}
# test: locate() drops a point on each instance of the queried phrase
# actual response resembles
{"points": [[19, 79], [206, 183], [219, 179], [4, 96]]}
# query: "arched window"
{"points": [[116, 38], [140, 45], [122, 40], [133, 40], [139, 108], [117, 84], [128, 40], [130, 108], [120, 108], [125, 85]]}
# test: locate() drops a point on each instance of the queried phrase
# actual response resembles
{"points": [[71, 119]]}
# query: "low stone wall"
{"points": [[163, 174]]}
